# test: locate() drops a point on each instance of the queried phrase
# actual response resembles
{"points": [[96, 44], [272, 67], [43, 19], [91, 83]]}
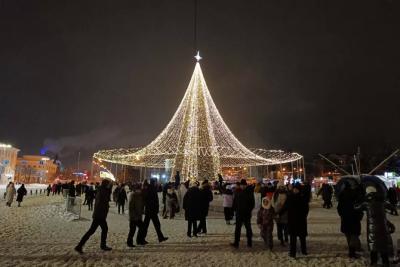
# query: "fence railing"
{"points": [[30, 192]]}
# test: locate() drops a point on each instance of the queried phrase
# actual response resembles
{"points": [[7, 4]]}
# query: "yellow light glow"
{"points": [[196, 141]]}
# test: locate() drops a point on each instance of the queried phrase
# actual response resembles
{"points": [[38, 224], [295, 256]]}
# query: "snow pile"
{"points": [[59, 210]]}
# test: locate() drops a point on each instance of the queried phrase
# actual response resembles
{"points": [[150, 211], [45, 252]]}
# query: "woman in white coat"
{"points": [[183, 188], [10, 193]]}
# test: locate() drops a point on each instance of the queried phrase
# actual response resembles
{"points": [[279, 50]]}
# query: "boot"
{"points": [[163, 239], [105, 248], [235, 245], [79, 249]]}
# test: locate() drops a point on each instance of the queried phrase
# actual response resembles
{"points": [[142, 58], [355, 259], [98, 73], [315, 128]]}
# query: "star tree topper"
{"points": [[198, 57]]}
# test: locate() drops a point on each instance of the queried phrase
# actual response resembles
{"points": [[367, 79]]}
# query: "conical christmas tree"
{"points": [[196, 141]]}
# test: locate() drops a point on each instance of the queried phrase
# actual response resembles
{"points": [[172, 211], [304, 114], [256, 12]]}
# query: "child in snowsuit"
{"points": [[265, 221]]}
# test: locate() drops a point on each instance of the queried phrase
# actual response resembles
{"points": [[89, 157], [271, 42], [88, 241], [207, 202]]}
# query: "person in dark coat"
{"points": [[100, 212], [392, 197], [78, 189], [121, 198], [164, 199], [59, 188], [71, 189], [308, 192], [191, 205], [243, 205], [152, 206], [71, 193], [378, 227], [172, 203], [136, 211], [326, 191], [90, 195], [84, 189], [269, 191], [206, 198], [350, 219], [177, 180], [115, 194], [262, 191], [297, 209], [21, 192], [220, 183], [48, 190]]}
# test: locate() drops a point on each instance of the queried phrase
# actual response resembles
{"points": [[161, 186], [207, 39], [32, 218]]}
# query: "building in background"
{"points": [[35, 169], [8, 160]]}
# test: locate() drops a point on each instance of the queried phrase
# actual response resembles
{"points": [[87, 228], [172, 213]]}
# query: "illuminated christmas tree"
{"points": [[196, 141]]}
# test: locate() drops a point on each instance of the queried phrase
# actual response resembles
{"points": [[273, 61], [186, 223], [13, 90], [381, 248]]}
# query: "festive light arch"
{"points": [[196, 141]]}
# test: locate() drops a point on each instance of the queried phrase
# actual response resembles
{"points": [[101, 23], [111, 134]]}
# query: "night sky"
{"points": [[307, 76]]}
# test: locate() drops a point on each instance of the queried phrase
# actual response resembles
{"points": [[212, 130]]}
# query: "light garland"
{"points": [[196, 140]]}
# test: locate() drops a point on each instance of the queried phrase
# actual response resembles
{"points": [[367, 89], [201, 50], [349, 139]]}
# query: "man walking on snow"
{"points": [[100, 212]]}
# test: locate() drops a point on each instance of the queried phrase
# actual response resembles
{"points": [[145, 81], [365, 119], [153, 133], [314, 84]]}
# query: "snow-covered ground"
{"points": [[40, 234]]}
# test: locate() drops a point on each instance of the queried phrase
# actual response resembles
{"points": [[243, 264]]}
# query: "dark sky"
{"points": [[309, 76]]}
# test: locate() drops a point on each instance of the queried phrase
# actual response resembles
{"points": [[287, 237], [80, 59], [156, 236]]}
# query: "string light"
{"points": [[196, 141]]}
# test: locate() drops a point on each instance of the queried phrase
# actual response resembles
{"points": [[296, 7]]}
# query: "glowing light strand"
{"points": [[196, 140]]}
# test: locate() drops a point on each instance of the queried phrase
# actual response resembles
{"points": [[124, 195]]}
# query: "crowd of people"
{"points": [[284, 206]]}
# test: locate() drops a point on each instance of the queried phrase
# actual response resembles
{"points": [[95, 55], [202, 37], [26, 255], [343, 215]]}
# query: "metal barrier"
{"points": [[73, 205]]}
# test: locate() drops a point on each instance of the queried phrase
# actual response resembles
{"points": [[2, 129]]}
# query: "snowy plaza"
{"points": [[40, 234]]}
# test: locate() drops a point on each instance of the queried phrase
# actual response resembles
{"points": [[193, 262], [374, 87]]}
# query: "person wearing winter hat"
{"points": [[379, 227], [265, 221], [279, 203]]}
